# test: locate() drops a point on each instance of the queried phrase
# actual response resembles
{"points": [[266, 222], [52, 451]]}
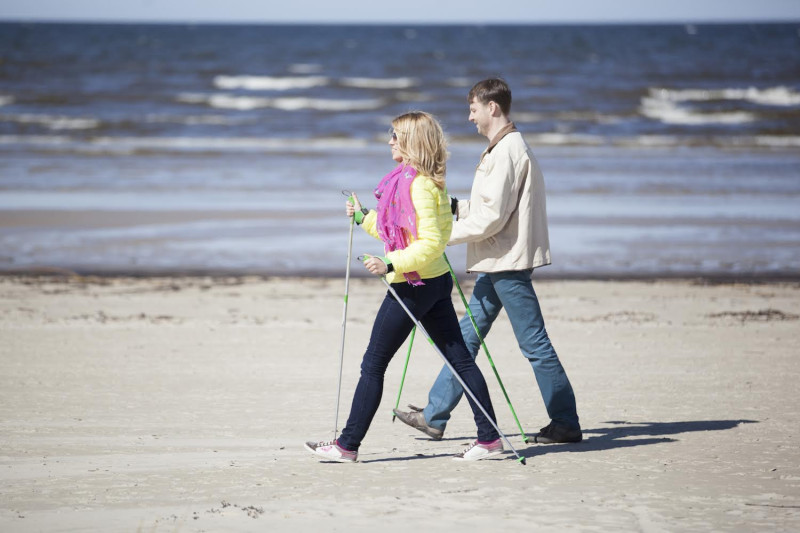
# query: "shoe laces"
{"points": [[468, 448], [328, 443]]}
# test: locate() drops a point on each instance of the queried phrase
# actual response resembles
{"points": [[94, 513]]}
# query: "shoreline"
{"points": [[718, 278]]}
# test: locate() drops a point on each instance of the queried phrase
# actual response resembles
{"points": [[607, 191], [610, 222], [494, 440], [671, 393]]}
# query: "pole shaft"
{"points": [[344, 325], [452, 369], [405, 368], [485, 348]]}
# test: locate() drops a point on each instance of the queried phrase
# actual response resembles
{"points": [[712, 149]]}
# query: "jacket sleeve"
{"points": [[462, 209], [496, 201], [431, 239], [370, 223]]}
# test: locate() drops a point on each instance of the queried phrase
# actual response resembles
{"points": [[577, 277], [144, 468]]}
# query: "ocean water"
{"points": [[667, 150]]}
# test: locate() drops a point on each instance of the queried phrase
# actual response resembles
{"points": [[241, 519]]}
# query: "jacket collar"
{"points": [[508, 128]]}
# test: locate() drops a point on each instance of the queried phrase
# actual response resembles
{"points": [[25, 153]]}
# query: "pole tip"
{"points": [[522, 461]]}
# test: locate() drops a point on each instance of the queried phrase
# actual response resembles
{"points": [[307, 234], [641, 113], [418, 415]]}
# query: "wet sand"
{"points": [[181, 404]]}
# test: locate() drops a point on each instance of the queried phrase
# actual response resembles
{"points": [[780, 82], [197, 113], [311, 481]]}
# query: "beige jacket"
{"points": [[504, 223]]}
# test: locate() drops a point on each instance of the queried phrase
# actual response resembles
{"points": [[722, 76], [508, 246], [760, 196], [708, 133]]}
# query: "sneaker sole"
{"points": [[434, 436], [481, 458], [335, 459], [545, 440]]}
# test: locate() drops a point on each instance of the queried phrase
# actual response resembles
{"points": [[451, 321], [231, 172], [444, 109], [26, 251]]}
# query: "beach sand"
{"points": [[182, 404]]}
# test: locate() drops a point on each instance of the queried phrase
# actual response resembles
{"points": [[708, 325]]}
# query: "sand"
{"points": [[181, 404]]}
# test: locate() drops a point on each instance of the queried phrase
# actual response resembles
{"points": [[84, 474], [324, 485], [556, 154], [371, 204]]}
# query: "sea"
{"points": [[667, 150]]}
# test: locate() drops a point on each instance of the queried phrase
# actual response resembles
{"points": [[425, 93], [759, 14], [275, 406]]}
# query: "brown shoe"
{"points": [[416, 420]]}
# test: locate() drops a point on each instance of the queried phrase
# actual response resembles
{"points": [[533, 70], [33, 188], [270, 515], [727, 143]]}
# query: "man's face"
{"points": [[480, 115]]}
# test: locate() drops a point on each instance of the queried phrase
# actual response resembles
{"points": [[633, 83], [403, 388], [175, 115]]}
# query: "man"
{"points": [[504, 224]]}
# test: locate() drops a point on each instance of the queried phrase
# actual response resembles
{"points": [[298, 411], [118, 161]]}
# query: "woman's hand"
{"points": [[351, 208], [376, 266]]}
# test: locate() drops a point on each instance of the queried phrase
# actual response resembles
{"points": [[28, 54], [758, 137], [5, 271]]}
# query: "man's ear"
{"points": [[494, 109]]}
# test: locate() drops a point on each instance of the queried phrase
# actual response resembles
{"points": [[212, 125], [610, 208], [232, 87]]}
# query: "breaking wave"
{"points": [[294, 103], [673, 106], [123, 145], [773, 96], [380, 83], [53, 122], [269, 83], [669, 112]]}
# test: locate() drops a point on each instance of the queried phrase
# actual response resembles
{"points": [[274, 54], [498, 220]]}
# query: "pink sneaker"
{"points": [[332, 451], [477, 451]]}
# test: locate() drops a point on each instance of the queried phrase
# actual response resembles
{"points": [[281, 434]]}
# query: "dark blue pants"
{"points": [[432, 306]]}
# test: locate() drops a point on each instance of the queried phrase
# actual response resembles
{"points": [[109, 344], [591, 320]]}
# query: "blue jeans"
{"points": [[514, 291], [431, 305]]}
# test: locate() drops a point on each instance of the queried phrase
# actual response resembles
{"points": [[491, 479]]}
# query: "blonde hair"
{"points": [[421, 142]]}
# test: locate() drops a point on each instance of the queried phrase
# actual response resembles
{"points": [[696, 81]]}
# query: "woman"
{"points": [[414, 221]]}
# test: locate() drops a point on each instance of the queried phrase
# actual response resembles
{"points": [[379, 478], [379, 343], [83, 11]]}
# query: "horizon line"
{"points": [[184, 22]]}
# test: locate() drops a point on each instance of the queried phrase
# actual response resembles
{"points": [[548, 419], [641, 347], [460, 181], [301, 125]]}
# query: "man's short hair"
{"points": [[492, 90]]}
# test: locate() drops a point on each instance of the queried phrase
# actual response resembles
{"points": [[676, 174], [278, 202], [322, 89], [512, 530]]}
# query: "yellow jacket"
{"points": [[423, 255]]}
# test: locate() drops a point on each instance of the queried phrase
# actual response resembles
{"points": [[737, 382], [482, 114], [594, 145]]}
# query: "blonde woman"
{"points": [[414, 221]]}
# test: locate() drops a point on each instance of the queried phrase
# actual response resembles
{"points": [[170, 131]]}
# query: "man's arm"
{"points": [[497, 199]]}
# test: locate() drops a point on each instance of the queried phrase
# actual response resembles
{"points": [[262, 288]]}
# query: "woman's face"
{"points": [[395, 150]]}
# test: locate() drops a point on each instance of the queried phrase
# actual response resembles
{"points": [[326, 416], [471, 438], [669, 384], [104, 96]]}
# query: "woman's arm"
{"points": [[431, 239]]}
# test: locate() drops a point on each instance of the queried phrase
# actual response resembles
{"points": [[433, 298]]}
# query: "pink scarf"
{"points": [[397, 220]]}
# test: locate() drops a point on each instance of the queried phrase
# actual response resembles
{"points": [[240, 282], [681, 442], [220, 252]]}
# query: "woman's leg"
{"points": [[446, 391], [391, 327], [441, 323]]}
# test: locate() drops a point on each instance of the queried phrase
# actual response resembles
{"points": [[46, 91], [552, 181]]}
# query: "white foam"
{"points": [[669, 112], [226, 101], [564, 139], [269, 83], [35, 140], [566, 116], [459, 82], [775, 141], [380, 83], [54, 122], [774, 96], [321, 104], [210, 120], [239, 143], [650, 141], [132, 144], [244, 103]]}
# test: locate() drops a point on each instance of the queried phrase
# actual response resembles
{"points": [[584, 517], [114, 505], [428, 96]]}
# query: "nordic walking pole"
{"points": [[485, 349], [417, 323], [403, 379], [344, 315]]}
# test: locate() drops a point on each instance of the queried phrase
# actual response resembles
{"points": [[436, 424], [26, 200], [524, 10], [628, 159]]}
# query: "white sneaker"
{"points": [[477, 451], [332, 451]]}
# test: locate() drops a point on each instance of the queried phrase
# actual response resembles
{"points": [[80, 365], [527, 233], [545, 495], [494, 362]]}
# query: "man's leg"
{"points": [[446, 391], [516, 293]]}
